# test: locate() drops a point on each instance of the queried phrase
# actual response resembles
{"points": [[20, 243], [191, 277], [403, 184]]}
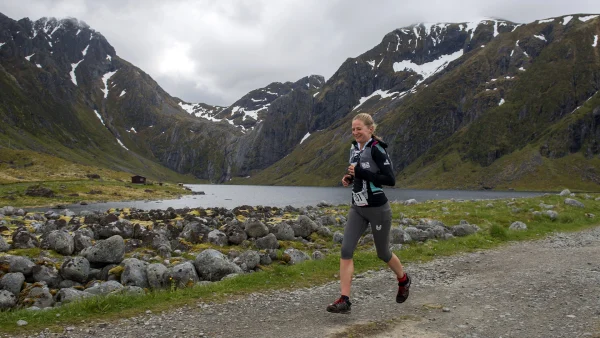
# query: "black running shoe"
{"points": [[339, 306], [403, 290]]}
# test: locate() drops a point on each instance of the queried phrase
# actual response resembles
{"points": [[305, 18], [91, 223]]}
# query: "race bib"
{"points": [[360, 198]]}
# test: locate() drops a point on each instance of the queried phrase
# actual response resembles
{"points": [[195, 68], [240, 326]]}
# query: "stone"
{"points": [[267, 242], [23, 239], [565, 192], [12, 282], [104, 288], [462, 230], [7, 300], [218, 238], [69, 295], [317, 255], [250, 259], [518, 226], [76, 269], [303, 226], [61, 242], [284, 232], [134, 273], [574, 203], [255, 228], [295, 256], [111, 250], [46, 274], [156, 275], [39, 296], [212, 265], [4, 247], [18, 264], [338, 237], [182, 275]]}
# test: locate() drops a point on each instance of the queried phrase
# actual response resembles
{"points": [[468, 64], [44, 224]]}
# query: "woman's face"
{"points": [[361, 133]]}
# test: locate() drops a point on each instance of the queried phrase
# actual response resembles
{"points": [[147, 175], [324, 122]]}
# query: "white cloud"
{"points": [[217, 51]]}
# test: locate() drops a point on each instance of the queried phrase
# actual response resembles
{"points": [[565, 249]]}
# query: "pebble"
{"points": [[21, 322]]}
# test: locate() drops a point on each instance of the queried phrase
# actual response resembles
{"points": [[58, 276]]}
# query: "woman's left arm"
{"points": [[385, 176]]}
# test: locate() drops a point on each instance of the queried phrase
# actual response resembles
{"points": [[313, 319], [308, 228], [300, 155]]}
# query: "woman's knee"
{"points": [[385, 256]]}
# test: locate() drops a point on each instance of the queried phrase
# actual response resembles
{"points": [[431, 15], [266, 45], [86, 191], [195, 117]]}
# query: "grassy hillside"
{"points": [[73, 182]]}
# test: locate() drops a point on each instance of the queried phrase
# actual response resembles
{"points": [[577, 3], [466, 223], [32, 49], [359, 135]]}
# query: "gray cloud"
{"points": [[217, 51]]}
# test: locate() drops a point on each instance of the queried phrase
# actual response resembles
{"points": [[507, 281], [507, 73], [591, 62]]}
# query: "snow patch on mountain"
{"points": [[28, 58], [379, 92], [99, 117], [430, 68], [595, 41], [105, 78], [566, 19], [304, 138], [587, 18], [121, 144], [73, 67]]}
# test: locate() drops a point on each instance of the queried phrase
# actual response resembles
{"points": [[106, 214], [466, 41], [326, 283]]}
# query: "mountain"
{"points": [[486, 104], [482, 104]]}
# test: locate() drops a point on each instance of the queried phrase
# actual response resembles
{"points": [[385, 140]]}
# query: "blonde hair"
{"points": [[368, 121]]}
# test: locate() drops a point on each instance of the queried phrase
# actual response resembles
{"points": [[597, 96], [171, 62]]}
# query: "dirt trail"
{"points": [[545, 288]]}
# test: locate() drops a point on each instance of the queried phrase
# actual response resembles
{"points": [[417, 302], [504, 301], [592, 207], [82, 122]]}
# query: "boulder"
{"points": [[574, 203], [212, 265], [518, 226], [417, 234], [181, 275], [267, 242], [38, 296], [23, 239], [217, 237], [12, 282], [61, 241], [4, 247], [7, 300], [255, 228], [46, 274], [111, 250], [235, 233], [565, 192], [76, 269], [398, 236], [464, 230], [104, 288], [18, 264], [294, 256], [303, 226], [134, 273], [156, 275], [248, 260], [81, 241], [338, 237], [69, 295], [284, 232]]}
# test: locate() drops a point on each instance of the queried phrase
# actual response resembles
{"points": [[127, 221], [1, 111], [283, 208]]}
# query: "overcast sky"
{"points": [[216, 51]]}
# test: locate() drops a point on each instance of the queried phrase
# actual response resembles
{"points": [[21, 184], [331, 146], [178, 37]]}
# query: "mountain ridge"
{"points": [[407, 82]]}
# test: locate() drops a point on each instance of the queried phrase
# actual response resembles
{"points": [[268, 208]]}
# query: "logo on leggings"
{"points": [[378, 227]]}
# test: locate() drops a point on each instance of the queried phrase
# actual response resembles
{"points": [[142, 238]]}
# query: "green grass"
{"points": [[72, 192], [494, 223]]}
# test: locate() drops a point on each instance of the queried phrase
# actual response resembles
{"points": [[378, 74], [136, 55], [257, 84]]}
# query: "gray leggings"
{"points": [[359, 218]]}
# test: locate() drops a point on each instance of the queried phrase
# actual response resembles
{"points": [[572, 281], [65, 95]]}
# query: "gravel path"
{"points": [[545, 288]]}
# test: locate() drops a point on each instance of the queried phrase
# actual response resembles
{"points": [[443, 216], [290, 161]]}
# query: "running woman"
{"points": [[370, 168]]}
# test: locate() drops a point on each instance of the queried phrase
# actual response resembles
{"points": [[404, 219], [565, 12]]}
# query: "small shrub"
{"points": [[498, 231]]}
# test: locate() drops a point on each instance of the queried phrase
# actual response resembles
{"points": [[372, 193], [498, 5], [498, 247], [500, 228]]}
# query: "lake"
{"points": [[231, 196]]}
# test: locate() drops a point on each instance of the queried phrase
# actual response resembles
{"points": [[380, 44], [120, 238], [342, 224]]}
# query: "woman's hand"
{"points": [[346, 180], [351, 170]]}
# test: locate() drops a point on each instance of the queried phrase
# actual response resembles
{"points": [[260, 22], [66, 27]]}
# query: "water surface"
{"points": [[231, 196]]}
